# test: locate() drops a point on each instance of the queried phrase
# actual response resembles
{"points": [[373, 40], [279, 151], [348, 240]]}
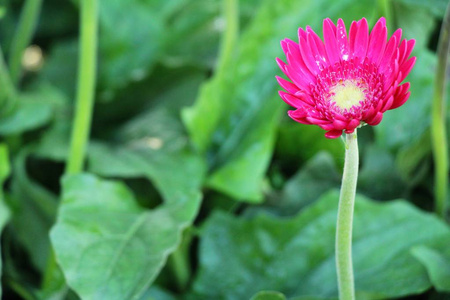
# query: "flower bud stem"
{"points": [[345, 220]]}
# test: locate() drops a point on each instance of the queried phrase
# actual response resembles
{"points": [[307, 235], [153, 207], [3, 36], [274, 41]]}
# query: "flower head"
{"points": [[345, 81]]}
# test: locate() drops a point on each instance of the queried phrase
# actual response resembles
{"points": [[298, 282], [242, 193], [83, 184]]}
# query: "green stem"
{"points": [[83, 116], [180, 267], [86, 86], [230, 35], [27, 24], [8, 92], [438, 121], [345, 220]]}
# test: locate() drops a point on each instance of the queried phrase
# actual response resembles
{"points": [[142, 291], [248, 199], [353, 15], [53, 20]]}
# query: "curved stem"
{"points": [[53, 281], [86, 86], [345, 220], [8, 92], [438, 122], [27, 24], [229, 38]]}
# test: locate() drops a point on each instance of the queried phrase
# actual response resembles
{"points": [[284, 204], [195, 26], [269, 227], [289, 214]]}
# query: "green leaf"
{"points": [[437, 7], [317, 177], [438, 265], [30, 113], [238, 132], [268, 295], [108, 246], [296, 255], [34, 109], [34, 209], [292, 136], [379, 177]]}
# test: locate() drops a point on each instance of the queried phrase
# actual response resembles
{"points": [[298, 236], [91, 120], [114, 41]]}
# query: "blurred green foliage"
{"points": [[187, 133]]}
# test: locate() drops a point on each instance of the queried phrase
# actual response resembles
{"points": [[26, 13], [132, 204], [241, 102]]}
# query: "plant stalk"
{"points": [[438, 121], [52, 279], [22, 38], [344, 225], [86, 86]]}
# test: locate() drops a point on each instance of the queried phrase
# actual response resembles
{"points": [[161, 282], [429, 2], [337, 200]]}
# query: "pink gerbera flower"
{"points": [[346, 81]]}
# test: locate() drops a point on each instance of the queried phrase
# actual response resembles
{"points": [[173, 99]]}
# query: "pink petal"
{"points": [[308, 57], [339, 125], [409, 48], [387, 104], [391, 48], [398, 35], [376, 120], [406, 68], [342, 42], [289, 99], [332, 134], [353, 124], [298, 61], [319, 48], [362, 40], [331, 46], [377, 41], [299, 116], [288, 86], [352, 37], [400, 100], [316, 121]]}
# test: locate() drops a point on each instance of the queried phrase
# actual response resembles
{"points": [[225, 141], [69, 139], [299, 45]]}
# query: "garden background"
{"points": [[197, 185]]}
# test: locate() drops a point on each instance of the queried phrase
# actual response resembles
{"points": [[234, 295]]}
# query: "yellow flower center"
{"points": [[346, 94]]}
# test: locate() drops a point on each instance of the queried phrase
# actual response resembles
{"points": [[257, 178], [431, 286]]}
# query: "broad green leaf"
{"points": [[296, 255], [33, 109], [292, 136], [156, 293], [416, 21], [379, 177], [107, 246], [60, 71], [268, 295], [437, 265], [120, 60], [437, 7], [154, 145], [30, 113], [238, 132], [317, 177]]}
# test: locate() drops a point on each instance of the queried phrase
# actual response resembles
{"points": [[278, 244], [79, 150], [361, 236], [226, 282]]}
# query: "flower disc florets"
{"points": [[345, 82]]}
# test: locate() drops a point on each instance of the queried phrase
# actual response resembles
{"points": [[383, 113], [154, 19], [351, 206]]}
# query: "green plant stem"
{"points": [[230, 36], [83, 116], [345, 219], [180, 267], [438, 121], [86, 86], [22, 38], [8, 91]]}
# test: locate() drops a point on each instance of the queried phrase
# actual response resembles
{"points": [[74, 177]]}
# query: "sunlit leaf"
{"points": [[108, 246], [296, 255]]}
